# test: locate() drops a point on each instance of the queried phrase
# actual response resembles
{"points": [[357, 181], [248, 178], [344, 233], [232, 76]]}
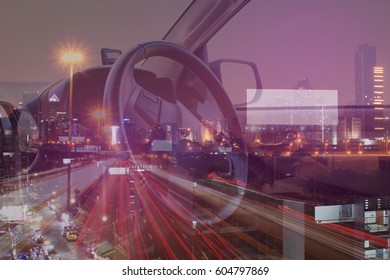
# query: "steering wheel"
{"points": [[124, 96]]}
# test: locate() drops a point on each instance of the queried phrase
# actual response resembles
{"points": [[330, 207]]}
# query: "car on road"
{"points": [[71, 235]]}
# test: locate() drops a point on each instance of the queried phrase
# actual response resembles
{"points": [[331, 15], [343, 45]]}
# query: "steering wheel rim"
{"points": [[121, 80]]}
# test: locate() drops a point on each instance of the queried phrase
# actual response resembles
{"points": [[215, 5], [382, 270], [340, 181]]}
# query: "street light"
{"points": [[71, 58], [346, 146], [298, 142], [360, 148], [98, 115]]}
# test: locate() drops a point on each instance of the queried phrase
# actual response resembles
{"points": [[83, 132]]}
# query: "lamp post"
{"points": [[346, 146], [98, 116], [70, 58], [298, 142]]}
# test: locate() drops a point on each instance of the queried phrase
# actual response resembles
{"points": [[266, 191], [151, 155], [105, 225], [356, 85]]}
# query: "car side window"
{"points": [[320, 123]]}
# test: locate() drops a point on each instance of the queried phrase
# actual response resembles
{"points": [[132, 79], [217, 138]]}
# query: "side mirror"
{"points": [[237, 76]]}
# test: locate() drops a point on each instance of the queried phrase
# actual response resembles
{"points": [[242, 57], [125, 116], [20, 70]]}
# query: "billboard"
{"points": [[13, 213], [292, 107], [334, 213]]}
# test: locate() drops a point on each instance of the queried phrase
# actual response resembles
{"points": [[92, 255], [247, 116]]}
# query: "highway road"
{"points": [[42, 197], [177, 218], [160, 214]]}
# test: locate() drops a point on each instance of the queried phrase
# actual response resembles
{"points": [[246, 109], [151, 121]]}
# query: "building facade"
{"points": [[369, 91], [378, 101]]}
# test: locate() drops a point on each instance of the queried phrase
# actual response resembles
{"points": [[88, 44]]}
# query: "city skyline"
{"points": [[292, 40], [329, 42]]}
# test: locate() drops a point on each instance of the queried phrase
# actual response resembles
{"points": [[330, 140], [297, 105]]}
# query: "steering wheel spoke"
{"points": [[151, 104]]}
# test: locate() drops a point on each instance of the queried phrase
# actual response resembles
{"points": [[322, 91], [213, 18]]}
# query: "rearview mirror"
{"points": [[109, 55]]}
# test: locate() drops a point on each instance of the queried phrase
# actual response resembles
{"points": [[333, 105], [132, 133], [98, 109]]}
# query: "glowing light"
{"points": [[72, 57], [98, 114], [71, 53]]}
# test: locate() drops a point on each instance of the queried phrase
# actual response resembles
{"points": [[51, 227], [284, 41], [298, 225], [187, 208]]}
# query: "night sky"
{"points": [[314, 39], [31, 31], [289, 40]]}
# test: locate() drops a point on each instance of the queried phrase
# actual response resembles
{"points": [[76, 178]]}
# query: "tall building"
{"points": [[378, 100], [304, 84], [349, 128], [369, 91], [365, 61], [356, 128]]}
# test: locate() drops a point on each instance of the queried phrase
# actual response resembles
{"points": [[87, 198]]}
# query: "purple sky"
{"points": [[30, 31], [315, 39], [288, 40]]}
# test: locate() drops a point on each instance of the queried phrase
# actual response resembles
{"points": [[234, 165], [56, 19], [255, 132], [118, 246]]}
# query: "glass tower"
{"points": [[365, 61]]}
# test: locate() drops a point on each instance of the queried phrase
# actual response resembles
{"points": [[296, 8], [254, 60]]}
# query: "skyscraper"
{"points": [[365, 61], [366, 94], [378, 101]]}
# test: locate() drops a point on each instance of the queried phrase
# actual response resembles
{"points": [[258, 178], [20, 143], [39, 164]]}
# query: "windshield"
{"points": [[319, 124], [194, 154]]}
